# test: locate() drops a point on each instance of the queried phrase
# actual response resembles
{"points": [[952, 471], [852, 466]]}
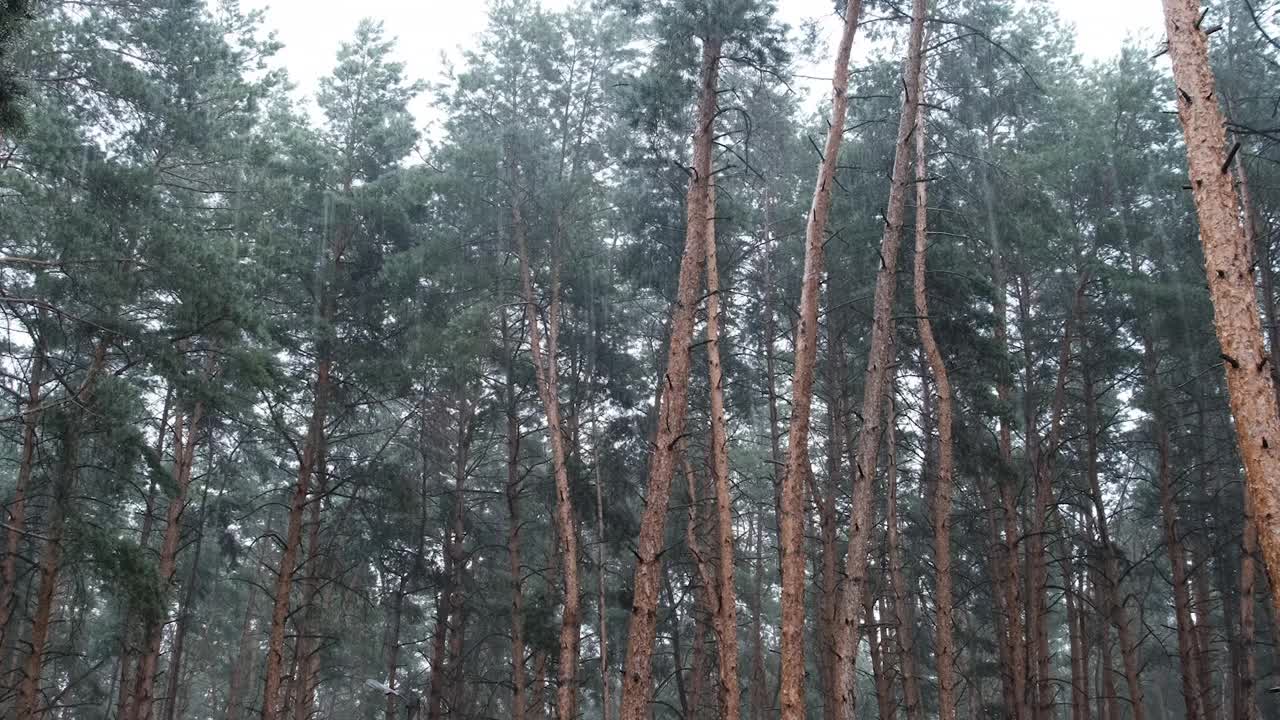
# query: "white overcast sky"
{"points": [[427, 30]]}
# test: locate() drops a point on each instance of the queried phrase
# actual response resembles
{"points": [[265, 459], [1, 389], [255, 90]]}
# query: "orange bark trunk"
{"points": [[791, 520], [292, 544], [18, 508], [518, 701], [637, 678], [945, 644], [726, 608], [184, 445], [28, 706], [1228, 261], [1113, 609], [546, 374], [879, 360], [1011, 576]]}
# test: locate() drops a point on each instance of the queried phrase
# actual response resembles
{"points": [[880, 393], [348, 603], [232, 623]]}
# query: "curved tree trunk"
{"points": [[637, 678], [546, 374], [945, 644], [792, 506], [879, 360]]}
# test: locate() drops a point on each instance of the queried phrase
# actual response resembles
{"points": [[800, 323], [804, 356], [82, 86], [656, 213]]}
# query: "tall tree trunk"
{"points": [[457, 698], [1181, 592], [1080, 594], [997, 571], [1257, 239], [1244, 687], [306, 657], [15, 529], [241, 666], [1109, 699], [792, 506], [879, 360], [1012, 575], [879, 663], [1079, 691], [1228, 260], [274, 673], [903, 620], [1039, 689], [130, 632], [29, 696], [1112, 607], [602, 606], [540, 683], [547, 377], [826, 502], [1168, 509], [1041, 454], [677, 655], [698, 670], [446, 641], [759, 704], [173, 685], [1224, 572], [391, 646], [1202, 608], [310, 459], [514, 527], [637, 678], [68, 473], [766, 699], [1246, 701], [184, 447], [726, 607], [776, 464], [704, 582], [435, 688], [945, 644]]}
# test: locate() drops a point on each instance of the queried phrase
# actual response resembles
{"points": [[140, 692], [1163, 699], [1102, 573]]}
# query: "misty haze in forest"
{"points": [[655, 360]]}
